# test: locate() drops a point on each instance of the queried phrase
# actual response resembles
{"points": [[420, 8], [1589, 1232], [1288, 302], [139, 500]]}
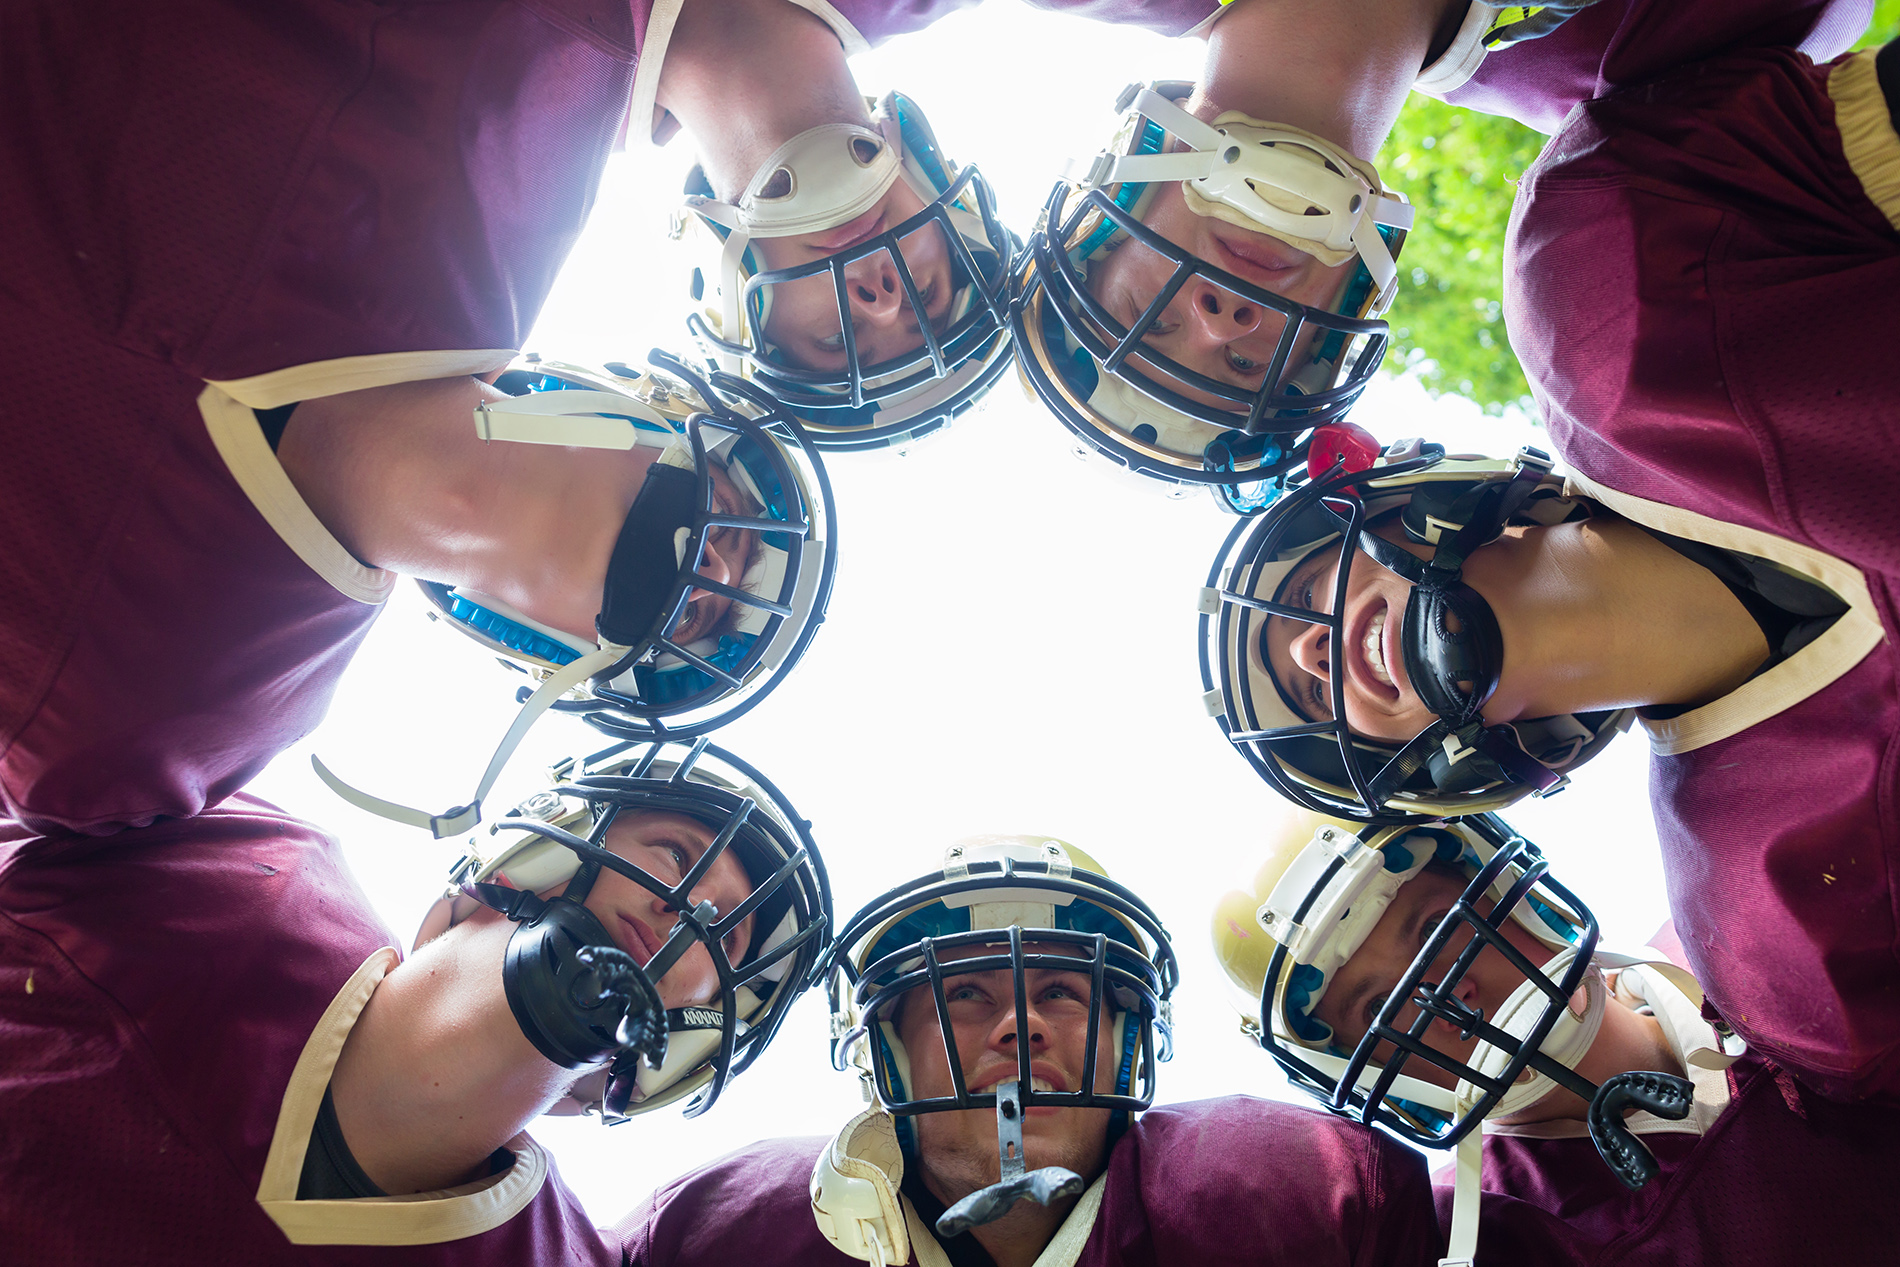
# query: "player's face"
{"points": [[729, 552], [1361, 985], [1380, 700], [803, 323], [666, 846], [959, 1147], [1207, 328]]}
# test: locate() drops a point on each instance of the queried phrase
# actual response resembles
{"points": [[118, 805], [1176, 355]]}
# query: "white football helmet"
{"points": [[558, 837], [823, 179], [1459, 764], [1129, 401], [637, 680], [1318, 893]]}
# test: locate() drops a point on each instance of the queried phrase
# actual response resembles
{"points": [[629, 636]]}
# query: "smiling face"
{"points": [[1207, 328], [1302, 657], [665, 846], [958, 1147], [1360, 987], [803, 324]]}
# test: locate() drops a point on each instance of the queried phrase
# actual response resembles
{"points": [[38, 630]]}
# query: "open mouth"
{"points": [[1370, 651]]}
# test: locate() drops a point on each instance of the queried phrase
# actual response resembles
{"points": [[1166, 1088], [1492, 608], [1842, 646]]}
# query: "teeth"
{"points": [[1041, 1084], [1375, 648]]}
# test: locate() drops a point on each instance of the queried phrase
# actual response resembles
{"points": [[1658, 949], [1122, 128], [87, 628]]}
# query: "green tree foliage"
{"points": [[1884, 27], [1460, 169]]}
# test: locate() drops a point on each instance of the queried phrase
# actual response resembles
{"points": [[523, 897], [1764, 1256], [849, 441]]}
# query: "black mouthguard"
{"points": [[1663, 1094]]}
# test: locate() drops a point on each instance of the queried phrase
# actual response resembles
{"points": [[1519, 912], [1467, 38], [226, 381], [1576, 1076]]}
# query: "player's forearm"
{"points": [[436, 1073]]}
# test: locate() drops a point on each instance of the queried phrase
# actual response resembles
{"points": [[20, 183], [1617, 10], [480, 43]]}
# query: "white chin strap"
{"points": [[1273, 179]]}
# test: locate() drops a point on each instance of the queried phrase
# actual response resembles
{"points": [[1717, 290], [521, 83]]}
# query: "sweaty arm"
{"points": [[437, 1074]]}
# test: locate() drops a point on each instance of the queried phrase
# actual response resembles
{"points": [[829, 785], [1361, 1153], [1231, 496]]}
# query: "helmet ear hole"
{"points": [[1144, 433], [780, 185], [864, 151], [698, 286]]}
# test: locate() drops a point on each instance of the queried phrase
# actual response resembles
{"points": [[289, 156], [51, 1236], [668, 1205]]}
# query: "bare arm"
{"points": [[437, 1074]]}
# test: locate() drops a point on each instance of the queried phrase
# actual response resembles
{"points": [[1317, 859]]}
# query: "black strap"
{"points": [[330, 1172], [273, 421], [644, 568], [1887, 71]]}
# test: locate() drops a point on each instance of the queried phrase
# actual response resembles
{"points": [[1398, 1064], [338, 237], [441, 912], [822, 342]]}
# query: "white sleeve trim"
{"points": [[1200, 29], [358, 373], [1846, 643], [426, 1218], [649, 66], [240, 442], [1457, 64]]}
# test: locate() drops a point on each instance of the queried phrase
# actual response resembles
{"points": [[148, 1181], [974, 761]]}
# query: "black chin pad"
{"points": [[1454, 673], [1663, 1094], [643, 572]]}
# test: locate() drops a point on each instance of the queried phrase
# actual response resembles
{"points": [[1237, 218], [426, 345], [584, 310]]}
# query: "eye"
{"points": [[1431, 926], [1241, 365], [1374, 1006]]}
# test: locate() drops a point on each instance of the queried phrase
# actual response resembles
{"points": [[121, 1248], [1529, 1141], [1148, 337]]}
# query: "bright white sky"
{"points": [[1010, 647]]}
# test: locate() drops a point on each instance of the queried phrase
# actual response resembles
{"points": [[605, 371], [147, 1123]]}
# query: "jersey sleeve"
{"points": [[1615, 44]]}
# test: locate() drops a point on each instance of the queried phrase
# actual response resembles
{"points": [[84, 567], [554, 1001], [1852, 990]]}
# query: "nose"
{"points": [[1007, 1032], [1311, 649], [875, 293], [1219, 316]]}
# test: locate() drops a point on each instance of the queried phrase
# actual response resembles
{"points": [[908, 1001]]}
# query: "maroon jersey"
{"points": [[1613, 44], [159, 991], [1702, 296], [213, 191], [1236, 1180], [1783, 1176]]}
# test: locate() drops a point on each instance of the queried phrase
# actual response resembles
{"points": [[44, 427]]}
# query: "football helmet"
{"points": [[826, 178], [1024, 903], [638, 680], [1318, 894], [1130, 402], [1458, 765], [559, 838]]}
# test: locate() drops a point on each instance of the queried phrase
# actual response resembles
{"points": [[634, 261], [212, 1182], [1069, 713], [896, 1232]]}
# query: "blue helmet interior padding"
{"points": [[663, 686], [509, 633], [1357, 292], [938, 920], [1128, 192]]}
